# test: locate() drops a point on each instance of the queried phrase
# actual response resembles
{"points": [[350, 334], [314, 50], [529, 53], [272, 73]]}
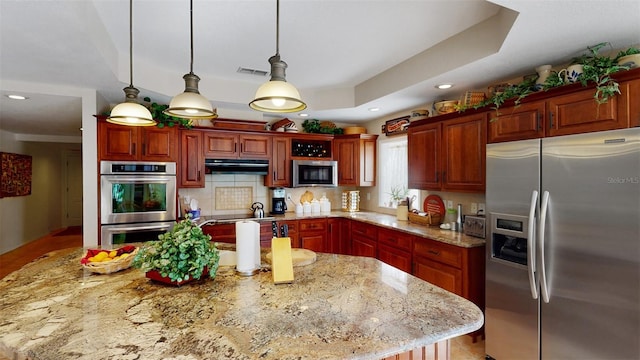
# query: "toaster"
{"points": [[474, 225]]}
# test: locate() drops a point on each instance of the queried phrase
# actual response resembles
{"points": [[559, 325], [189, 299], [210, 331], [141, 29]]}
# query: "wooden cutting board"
{"points": [[300, 257]]}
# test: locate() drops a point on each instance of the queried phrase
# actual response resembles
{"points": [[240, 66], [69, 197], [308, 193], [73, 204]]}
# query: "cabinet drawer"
{"points": [[312, 225], [394, 257], [221, 232], [364, 229], [396, 239], [292, 226], [444, 253]]}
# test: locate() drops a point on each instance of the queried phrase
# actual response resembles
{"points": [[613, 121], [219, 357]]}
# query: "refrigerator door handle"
{"points": [[531, 251], [543, 222]]}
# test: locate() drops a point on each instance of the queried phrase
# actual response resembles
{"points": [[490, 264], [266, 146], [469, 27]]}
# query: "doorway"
{"points": [[72, 188]]}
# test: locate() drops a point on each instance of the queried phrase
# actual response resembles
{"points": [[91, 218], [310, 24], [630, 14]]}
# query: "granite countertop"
{"points": [[340, 307], [392, 222]]}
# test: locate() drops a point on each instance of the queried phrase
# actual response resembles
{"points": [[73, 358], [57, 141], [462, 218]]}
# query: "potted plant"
{"points": [[157, 113], [598, 69], [398, 193], [180, 255]]}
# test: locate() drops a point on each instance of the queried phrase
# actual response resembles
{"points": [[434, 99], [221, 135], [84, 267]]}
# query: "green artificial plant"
{"points": [[180, 254], [597, 69]]}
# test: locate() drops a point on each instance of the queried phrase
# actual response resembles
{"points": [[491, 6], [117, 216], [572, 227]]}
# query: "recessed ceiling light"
{"points": [[444, 86], [16, 97], [304, 115], [374, 109]]}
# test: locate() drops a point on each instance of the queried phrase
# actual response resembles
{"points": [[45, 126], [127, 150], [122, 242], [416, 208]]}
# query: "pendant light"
{"points": [[130, 112], [277, 95], [190, 104]]}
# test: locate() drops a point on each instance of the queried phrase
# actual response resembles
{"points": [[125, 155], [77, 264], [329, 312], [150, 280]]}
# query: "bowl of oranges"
{"points": [[109, 261]]}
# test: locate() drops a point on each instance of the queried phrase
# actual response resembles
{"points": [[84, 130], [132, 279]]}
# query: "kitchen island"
{"points": [[340, 307]]}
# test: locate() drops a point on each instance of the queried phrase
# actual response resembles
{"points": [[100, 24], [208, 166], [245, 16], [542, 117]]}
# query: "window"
{"points": [[393, 171]]}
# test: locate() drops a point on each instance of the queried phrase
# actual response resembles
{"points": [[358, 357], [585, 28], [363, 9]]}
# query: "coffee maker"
{"points": [[278, 202]]}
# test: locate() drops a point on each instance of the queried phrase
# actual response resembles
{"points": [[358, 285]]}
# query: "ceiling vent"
{"points": [[255, 72]]}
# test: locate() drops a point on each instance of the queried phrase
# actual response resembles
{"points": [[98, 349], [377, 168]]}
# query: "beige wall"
{"points": [[26, 218]]}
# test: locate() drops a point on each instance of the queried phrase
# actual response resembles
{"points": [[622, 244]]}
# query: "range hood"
{"points": [[237, 166]]}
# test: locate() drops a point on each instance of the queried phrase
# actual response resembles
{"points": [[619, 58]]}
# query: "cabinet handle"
{"points": [[198, 175], [550, 120], [274, 175], [538, 118], [235, 147], [133, 148], [434, 252], [143, 149]]}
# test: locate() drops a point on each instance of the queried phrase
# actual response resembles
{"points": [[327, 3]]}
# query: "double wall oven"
{"points": [[137, 201]]}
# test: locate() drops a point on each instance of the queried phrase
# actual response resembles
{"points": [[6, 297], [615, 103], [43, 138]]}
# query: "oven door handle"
{"points": [[139, 227]]}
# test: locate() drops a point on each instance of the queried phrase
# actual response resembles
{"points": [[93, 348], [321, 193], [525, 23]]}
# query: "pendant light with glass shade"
{"points": [[130, 112], [190, 104], [277, 95]]}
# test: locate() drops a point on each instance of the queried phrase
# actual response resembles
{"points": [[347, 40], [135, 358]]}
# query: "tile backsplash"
{"points": [[234, 194]]}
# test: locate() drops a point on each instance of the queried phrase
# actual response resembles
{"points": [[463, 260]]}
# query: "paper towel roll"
{"points": [[247, 247]]}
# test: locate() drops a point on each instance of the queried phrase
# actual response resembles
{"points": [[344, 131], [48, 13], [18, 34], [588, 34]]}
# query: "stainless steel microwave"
{"points": [[315, 173]]}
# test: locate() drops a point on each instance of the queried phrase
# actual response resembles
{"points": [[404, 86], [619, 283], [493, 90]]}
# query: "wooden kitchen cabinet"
{"points": [[394, 248], [131, 143], [191, 166], [235, 145], [356, 156], [225, 233], [364, 241], [280, 164], [339, 236], [453, 268], [566, 111], [448, 155], [312, 234]]}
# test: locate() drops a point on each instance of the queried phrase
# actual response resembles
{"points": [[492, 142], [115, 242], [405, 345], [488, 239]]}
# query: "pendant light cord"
{"points": [[277, 27], [131, 43], [191, 29]]}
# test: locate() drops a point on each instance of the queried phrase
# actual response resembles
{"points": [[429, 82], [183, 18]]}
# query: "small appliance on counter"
{"points": [[474, 225], [351, 201], [278, 202]]}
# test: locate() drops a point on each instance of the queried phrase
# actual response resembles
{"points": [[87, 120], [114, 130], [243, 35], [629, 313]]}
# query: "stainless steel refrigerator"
{"points": [[563, 251]]}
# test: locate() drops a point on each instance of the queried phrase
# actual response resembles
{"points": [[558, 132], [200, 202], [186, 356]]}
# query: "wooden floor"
{"points": [[462, 348], [17, 258]]}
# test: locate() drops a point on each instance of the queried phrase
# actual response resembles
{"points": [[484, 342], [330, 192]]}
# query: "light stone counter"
{"points": [[391, 222], [339, 307]]}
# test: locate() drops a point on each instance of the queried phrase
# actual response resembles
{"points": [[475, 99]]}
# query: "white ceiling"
{"points": [[344, 56]]}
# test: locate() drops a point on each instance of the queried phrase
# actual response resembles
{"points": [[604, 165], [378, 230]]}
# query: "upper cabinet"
{"points": [[191, 167], [568, 110], [280, 165], [448, 155], [131, 143], [356, 156], [234, 145]]}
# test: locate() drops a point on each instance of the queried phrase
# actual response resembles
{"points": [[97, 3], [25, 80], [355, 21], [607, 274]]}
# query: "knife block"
{"points": [[281, 260]]}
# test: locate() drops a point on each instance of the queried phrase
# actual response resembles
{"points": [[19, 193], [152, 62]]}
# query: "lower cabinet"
{"points": [[313, 234], [453, 268], [225, 233], [394, 248], [364, 240], [339, 236]]}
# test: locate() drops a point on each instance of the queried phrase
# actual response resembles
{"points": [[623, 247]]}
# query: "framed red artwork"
{"points": [[16, 175]]}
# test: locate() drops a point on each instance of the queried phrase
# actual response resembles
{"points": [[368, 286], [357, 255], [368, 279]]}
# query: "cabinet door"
{"points": [[159, 144], [444, 276], [280, 164], [118, 142], [339, 235], [312, 234], [517, 123], [579, 113], [629, 103], [368, 162], [191, 159], [347, 155], [464, 143], [424, 156], [362, 246], [255, 146], [220, 145], [394, 257]]}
